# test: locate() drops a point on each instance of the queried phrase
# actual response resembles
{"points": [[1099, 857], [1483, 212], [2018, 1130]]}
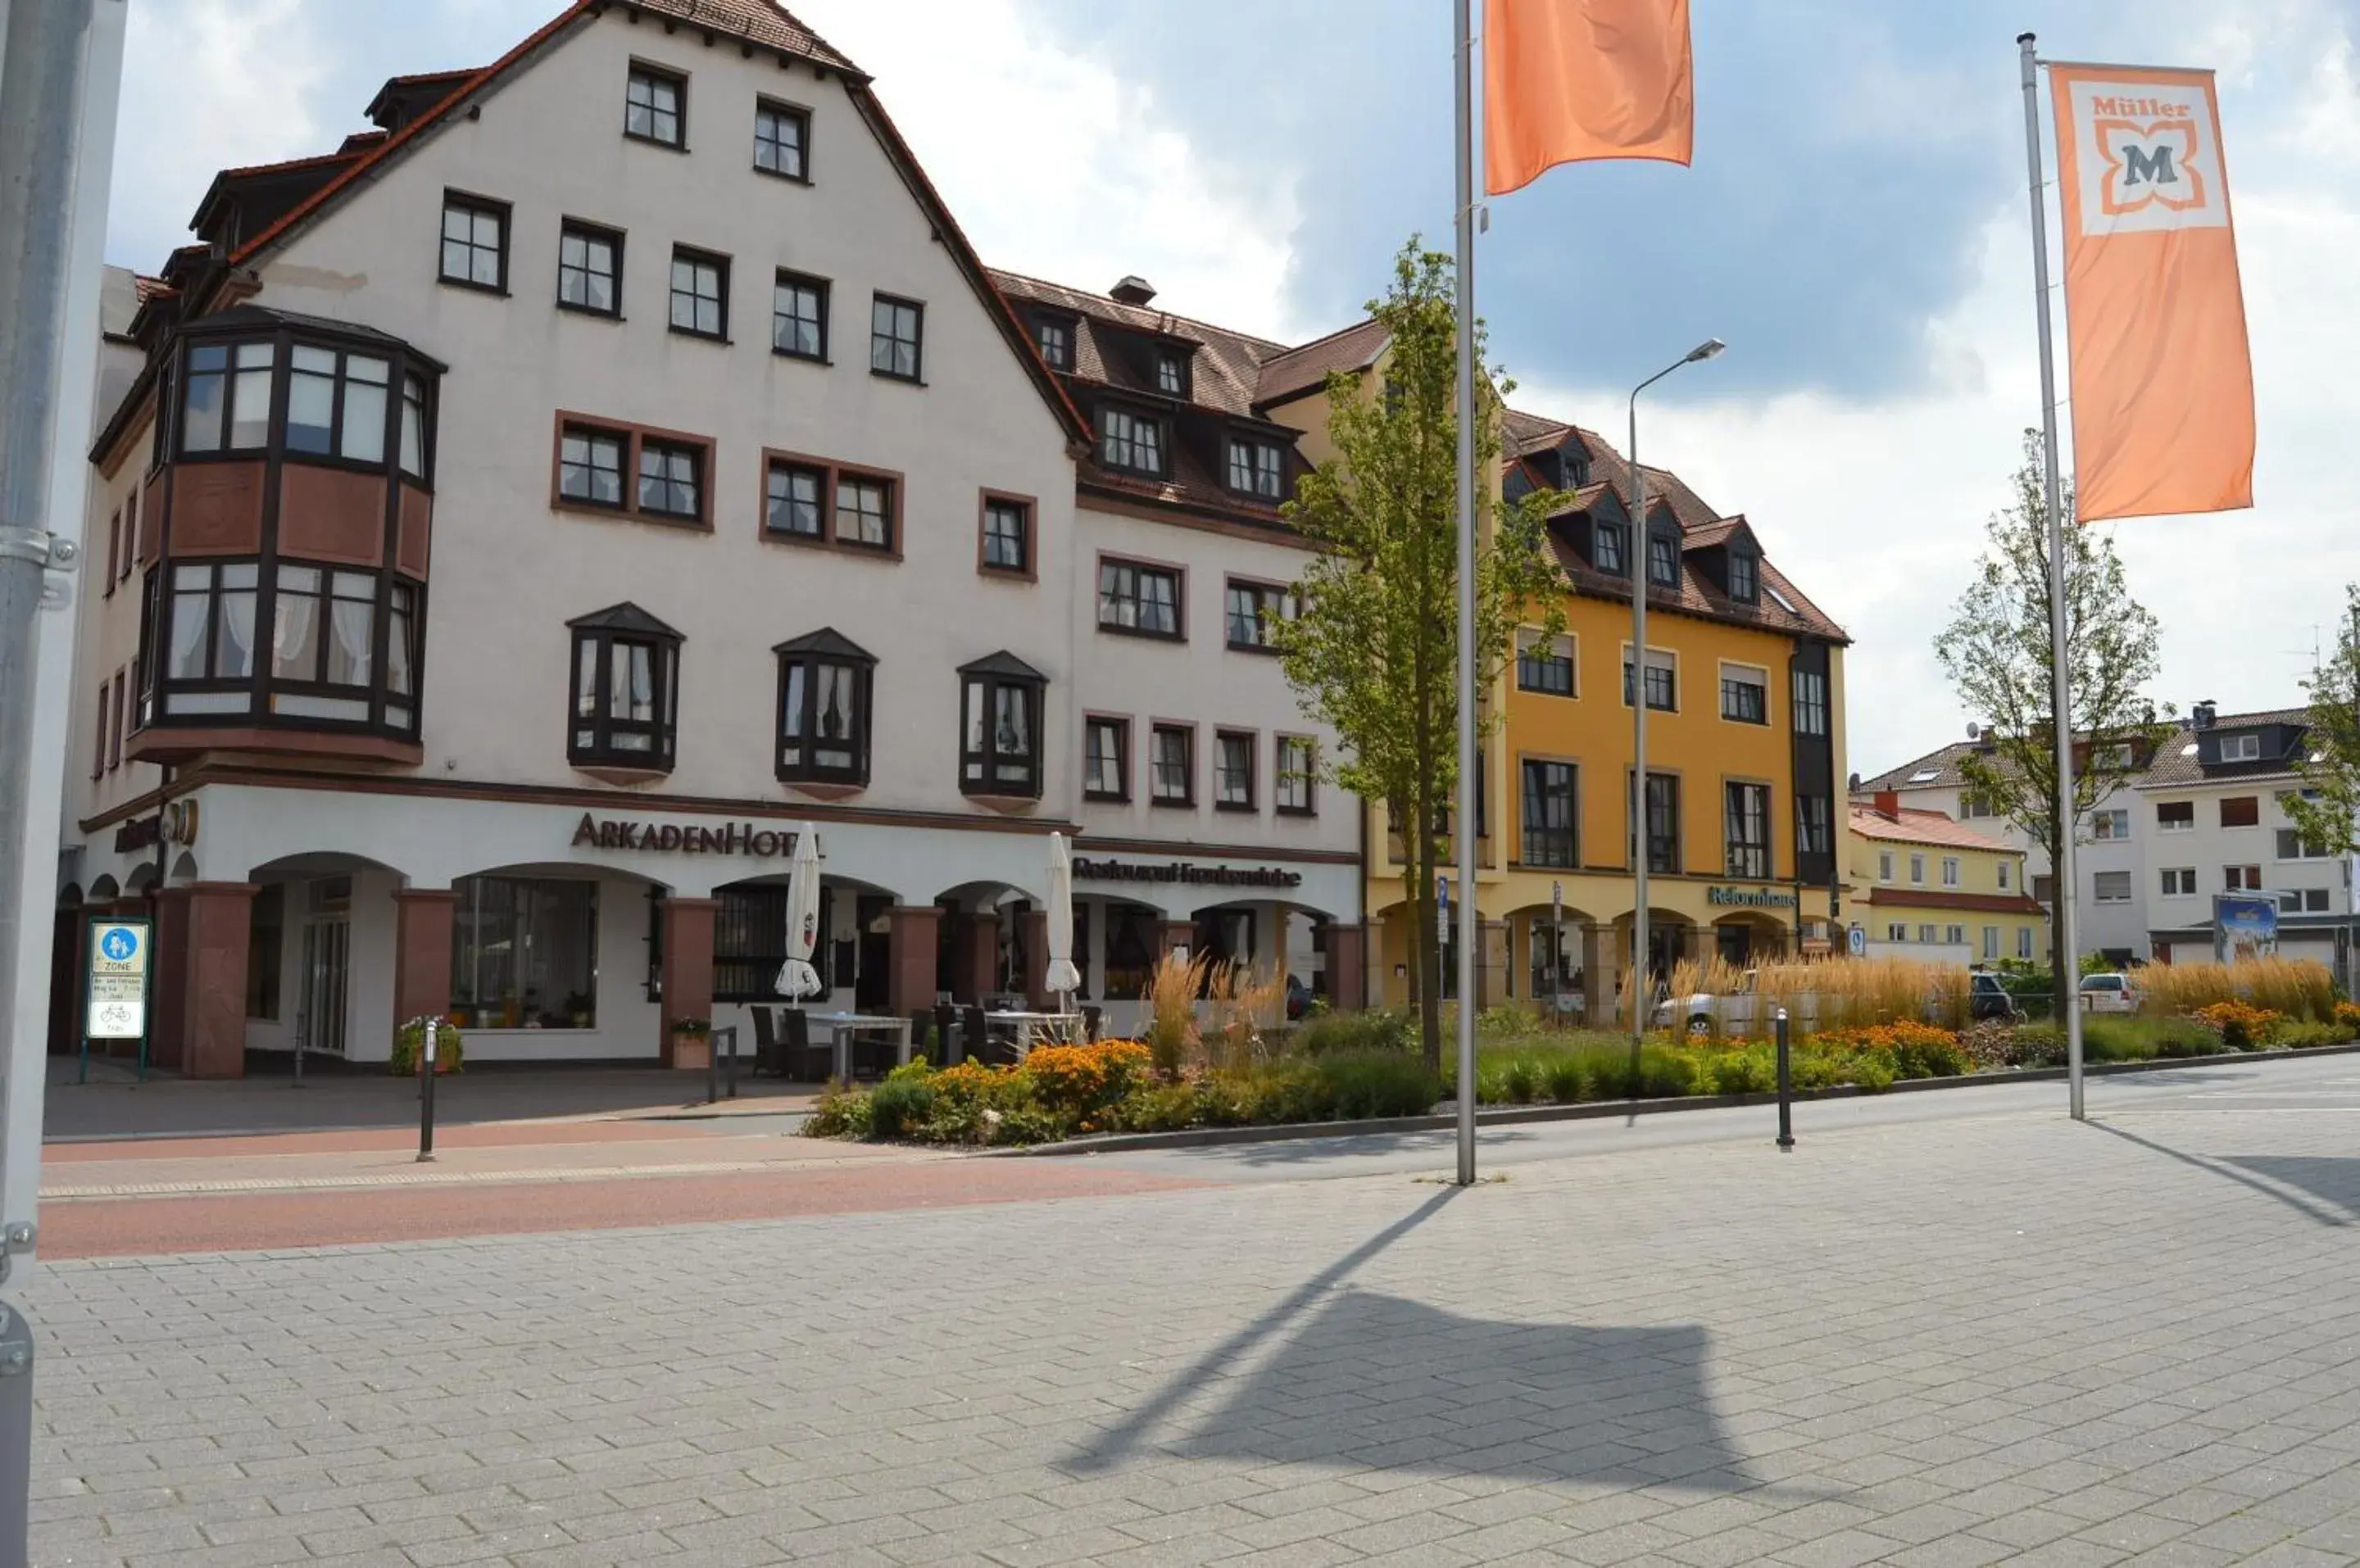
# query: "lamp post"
{"points": [[1640, 563]]}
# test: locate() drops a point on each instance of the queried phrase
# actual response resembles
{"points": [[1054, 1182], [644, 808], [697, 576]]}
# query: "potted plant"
{"points": [[410, 1044], [692, 1043]]}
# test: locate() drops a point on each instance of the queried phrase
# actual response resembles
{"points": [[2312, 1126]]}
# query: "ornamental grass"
{"points": [[2299, 988]]}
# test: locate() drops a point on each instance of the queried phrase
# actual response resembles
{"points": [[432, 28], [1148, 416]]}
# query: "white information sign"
{"points": [[118, 1008]]}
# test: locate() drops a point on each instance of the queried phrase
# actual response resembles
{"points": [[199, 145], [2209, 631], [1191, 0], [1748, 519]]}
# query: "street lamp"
{"points": [[1639, 563]]}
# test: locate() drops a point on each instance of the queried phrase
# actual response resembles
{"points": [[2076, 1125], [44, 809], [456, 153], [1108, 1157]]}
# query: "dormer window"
{"points": [[1662, 559], [1171, 372], [2245, 747], [1744, 577], [1607, 549], [1056, 341], [1130, 442], [1257, 468]]}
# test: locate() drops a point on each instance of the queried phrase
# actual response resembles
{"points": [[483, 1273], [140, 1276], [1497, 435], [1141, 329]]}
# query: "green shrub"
{"points": [[2300, 1036], [1873, 1074], [1330, 1033], [1378, 1084], [1568, 1078], [903, 1104], [1931, 1059], [1522, 1080], [1739, 1072], [2040, 1045], [841, 1113], [1159, 1107]]}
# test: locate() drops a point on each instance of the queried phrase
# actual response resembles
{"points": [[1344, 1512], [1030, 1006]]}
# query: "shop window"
{"points": [[625, 691], [524, 953], [999, 727], [824, 721], [1134, 938], [1748, 813]]}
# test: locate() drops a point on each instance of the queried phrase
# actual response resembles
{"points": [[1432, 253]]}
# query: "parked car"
{"points": [[2109, 994], [1732, 1014], [1988, 998]]}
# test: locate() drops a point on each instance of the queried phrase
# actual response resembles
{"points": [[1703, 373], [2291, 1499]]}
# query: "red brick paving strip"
{"points": [[136, 1227], [364, 1140]]}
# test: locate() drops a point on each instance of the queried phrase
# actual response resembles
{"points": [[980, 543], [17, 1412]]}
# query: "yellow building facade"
{"points": [[1745, 749], [1933, 888]]}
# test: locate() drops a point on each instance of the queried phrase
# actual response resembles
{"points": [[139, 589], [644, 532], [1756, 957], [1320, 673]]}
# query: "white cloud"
{"points": [[1058, 167]]}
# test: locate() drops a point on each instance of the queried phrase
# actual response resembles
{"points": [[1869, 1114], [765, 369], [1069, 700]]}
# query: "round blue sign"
{"points": [[119, 944]]}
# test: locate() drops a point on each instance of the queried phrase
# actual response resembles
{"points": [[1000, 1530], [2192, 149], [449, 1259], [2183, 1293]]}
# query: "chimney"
{"points": [[1888, 805], [1132, 290], [2201, 718]]}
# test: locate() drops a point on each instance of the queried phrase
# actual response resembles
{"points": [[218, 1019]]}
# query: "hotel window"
{"points": [[1663, 824], [1000, 751], [799, 316], [1607, 550], [524, 953], [1748, 810], [1811, 827], [1106, 764], [1233, 771], [1663, 681], [1141, 600], [626, 690], [1253, 608], [2241, 812], [1056, 343], [413, 427], [1548, 814], [1810, 702], [212, 634], [2291, 847], [1298, 776], [653, 108], [1545, 666], [336, 403], [1917, 871], [1663, 558], [2110, 888], [1744, 577], [1950, 871], [590, 466], [401, 655], [1008, 534], [1171, 373], [1130, 441], [1172, 765], [114, 551], [2180, 882], [2241, 749], [323, 632], [105, 727], [782, 136], [825, 685], [226, 406], [1744, 695], [475, 241], [1257, 468], [896, 332], [700, 293], [672, 480], [2175, 816], [2113, 824], [2236, 878], [590, 270], [864, 511], [2024, 941]]}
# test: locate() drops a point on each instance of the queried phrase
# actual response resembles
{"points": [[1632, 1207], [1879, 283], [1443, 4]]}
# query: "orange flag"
{"points": [[1570, 79], [2163, 387]]}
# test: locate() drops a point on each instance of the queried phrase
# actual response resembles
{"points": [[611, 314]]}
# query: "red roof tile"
{"points": [[1914, 825], [1305, 369]]}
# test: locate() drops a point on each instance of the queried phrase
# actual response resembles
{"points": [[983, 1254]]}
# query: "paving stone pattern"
{"points": [[2003, 1338]]}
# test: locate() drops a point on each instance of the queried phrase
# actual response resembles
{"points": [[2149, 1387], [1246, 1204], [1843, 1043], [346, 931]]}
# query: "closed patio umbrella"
{"points": [[1063, 978], [797, 978]]}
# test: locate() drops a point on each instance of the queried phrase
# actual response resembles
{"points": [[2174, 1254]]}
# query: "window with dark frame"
{"points": [[799, 316], [1811, 828], [226, 405], [1000, 706], [2241, 812], [826, 691], [99, 735], [782, 139], [414, 426], [1549, 818], [1007, 535], [1298, 776], [1134, 442], [700, 293], [323, 630], [1144, 600], [896, 333], [655, 106], [1056, 343], [114, 551], [1812, 704], [337, 403], [1257, 468], [1744, 577], [1106, 761], [1253, 608], [1233, 771], [1748, 811], [1171, 372], [1663, 824], [1744, 697], [797, 500], [2236, 878], [475, 241], [1545, 667], [1663, 682], [1663, 558], [589, 269], [1172, 765], [864, 511], [626, 690], [1606, 549], [590, 465], [671, 478], [130, 534]]}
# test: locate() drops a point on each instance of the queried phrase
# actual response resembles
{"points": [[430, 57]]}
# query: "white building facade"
{"points": [[533, 514]]}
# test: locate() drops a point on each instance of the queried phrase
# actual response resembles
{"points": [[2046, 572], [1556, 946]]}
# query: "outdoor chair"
{"points": [[806, 1062], [921, 1021], [946, 1020], [1092, 1015], [976, 1042], [769, 1051]]}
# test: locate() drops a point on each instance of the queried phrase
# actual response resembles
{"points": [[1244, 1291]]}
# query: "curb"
{"points": [[1515, 1116]]}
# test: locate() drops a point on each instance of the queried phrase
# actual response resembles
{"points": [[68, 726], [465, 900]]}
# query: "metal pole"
{"points": [[1786, 1087], [712, 1068], [1557, 954], [1469, 925], [2062, 722], [1641, 991], [426, 1097]]}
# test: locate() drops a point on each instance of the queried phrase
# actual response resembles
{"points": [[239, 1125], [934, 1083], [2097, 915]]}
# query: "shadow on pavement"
{"points": [[2348, 1183], [1374, 1381], [2332, 1179]]}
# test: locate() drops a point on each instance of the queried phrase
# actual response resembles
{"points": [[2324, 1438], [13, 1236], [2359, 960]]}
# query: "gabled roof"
{"points": [[624, 617], [1002, 663], [1713, 536], [827, 643], [1939, 770], [1305, 369], [2177, 765], [1225, 366], [1912, 825]]}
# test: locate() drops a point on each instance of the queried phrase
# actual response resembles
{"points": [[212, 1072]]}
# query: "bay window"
{"points": [[999, 727], [824, 684], [626, 693]]}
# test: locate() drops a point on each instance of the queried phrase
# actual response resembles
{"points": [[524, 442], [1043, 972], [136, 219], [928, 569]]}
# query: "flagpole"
{"points": [[2061, 719], [1469, 922]]}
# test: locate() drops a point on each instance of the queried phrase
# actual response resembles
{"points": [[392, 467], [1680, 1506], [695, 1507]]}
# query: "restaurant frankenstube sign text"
{"points": [[1185, 871]]}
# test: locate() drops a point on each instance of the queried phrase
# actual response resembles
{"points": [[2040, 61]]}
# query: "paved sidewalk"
{"points": [[2000, 1337]]}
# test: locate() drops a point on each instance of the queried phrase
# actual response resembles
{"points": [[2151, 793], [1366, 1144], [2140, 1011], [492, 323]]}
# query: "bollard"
{"points": [[426, 1098], [1786, 1089], [712, 1067], [301, 1027], [732, 1032]]}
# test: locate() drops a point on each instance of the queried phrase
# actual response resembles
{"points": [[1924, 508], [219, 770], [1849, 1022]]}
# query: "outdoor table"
{"points": [[1031, 1028], [845, 1028]]}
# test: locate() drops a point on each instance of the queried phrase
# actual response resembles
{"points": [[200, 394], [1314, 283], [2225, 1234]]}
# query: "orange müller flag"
{"points": [[1564, 81], [2163, 387]]}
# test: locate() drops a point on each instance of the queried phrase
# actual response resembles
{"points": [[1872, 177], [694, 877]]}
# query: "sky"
{"points": [[1855, 226]]}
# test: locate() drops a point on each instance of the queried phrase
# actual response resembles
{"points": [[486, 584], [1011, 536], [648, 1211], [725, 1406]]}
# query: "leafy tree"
{"points": [[1372, 650], [2331, 750], [1997, 651]]}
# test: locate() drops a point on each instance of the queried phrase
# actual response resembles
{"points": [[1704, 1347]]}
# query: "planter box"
{"points": [[691, 1053]]}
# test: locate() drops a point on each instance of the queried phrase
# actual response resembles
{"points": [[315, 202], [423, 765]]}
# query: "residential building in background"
{"points": [[1744, 680], [1928, 886]]}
